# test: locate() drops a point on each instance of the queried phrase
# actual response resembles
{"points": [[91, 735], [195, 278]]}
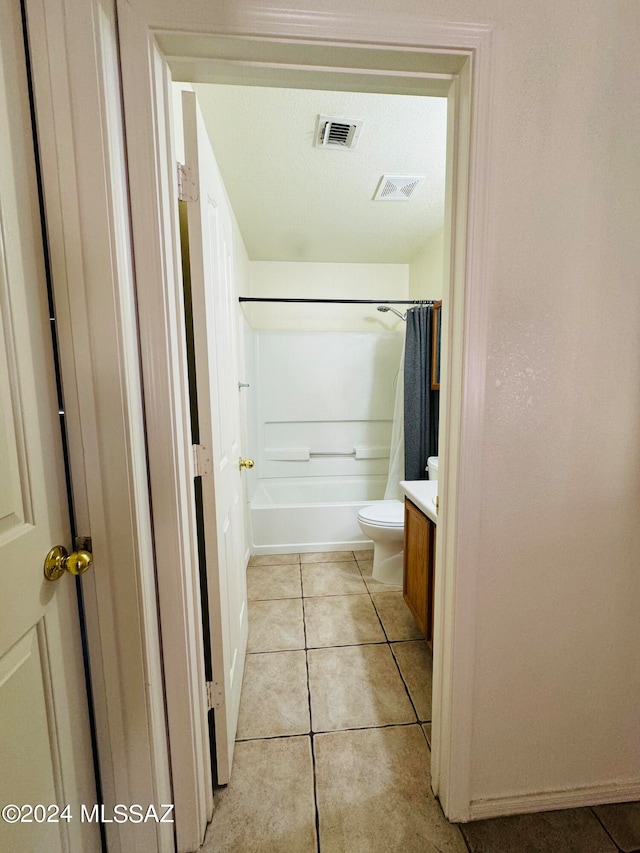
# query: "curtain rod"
{"points": [[341, 301]]}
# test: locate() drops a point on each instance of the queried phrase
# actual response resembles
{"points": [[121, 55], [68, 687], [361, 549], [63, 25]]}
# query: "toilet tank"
{"points": [[432, 467]]}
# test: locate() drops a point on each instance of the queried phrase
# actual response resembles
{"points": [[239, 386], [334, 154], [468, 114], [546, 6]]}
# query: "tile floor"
{"points": [[333, 741]]}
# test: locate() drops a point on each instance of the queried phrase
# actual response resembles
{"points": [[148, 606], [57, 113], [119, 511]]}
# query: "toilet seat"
{"points": [[383, 514]]}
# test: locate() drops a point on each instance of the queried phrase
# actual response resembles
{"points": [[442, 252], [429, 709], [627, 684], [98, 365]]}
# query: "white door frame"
{"points": [[188, 37], [84, 173], [73, 47]]}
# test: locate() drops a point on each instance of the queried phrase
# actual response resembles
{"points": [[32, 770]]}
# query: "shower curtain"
{"points": [[421, 404], [396, 454]]}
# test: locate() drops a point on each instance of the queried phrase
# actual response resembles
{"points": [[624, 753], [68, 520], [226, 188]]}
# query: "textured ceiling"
{"points": [[296, 202]]}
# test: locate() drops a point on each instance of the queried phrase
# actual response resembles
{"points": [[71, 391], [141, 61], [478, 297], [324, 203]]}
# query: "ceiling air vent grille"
{"points": [[337, 133], [397, 187]]}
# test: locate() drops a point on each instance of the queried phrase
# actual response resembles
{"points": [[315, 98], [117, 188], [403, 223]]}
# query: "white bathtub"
{"points": [[302, 514]]}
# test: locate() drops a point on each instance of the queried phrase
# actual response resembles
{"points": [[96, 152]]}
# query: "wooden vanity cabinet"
{"points": [[419, 551]]}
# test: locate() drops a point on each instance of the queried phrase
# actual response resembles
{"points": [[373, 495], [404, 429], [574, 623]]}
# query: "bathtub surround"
{"points": [[323, 404], [331, 385]]}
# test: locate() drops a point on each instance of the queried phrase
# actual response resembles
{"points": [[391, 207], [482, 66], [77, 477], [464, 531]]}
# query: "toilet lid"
{"points": [[384, 514]]}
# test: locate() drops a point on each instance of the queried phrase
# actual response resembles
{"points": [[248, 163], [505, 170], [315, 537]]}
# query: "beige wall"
{"points": [[557, 695], [556, 689], [325, 281], [425, 269]]}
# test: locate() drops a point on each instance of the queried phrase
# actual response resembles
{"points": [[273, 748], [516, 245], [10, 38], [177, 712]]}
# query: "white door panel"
{"points": [[45, 749], [214, 322]]}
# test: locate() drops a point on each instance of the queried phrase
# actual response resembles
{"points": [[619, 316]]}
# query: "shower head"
{"points": [[385, 308]]}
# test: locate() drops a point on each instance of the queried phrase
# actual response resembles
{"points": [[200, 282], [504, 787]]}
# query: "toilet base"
{"points": [[388, 563]]}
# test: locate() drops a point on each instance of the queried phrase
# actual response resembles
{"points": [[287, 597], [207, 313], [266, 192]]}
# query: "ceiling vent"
{"points": [[337, 133], [397, 187]]}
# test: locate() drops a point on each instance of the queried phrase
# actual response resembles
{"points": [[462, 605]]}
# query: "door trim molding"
{"points": [[78, 113], [553, 800], [465, 51]]}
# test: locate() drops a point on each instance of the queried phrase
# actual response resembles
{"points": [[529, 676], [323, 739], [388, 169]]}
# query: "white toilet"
{"points": [[383, 522]]}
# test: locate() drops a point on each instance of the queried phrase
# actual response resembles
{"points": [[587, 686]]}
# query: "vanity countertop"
{"points": [[422, 494]]}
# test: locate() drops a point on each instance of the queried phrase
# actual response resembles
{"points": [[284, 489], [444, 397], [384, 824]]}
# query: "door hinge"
{"points": [[82, 543], [187, 187], [215, 696], [202, 460]]}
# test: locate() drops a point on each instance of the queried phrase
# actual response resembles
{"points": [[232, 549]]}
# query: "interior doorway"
{"points": [[314, 237]]}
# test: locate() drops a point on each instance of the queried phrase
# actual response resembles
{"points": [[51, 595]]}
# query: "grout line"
{"points": [[275, 598], [466, 843], [274, 651], [393, 657], [408, 692], [370, 728], [333, 594], [313, 751], [315, 786], [349, 645], [608, 834], [395, 660], [313, 734], [384, 630], [272, 737]]}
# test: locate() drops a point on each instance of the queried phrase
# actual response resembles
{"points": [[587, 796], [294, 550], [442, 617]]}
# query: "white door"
{"points": [[214, 320], [45, 749]]}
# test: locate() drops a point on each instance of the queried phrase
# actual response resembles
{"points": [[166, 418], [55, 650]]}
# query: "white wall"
{"points": [[325, 281], [556, 701]]}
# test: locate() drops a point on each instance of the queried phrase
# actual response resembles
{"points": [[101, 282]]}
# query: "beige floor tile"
{"points": [[275, 696], [622, 821], [274, 559], [566, 831], [275, 625], [326, 557], [395, 616], [364, 555], [341, 620], [426, 727], [356, 687], [267, 582], [374, 795], [366, 569], [375, 586], [268, 806], [332, 579], [416, 665], [365, 565]]}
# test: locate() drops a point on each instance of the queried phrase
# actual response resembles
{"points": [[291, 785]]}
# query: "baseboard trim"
{"points": [[313, 547], [552, 800]]}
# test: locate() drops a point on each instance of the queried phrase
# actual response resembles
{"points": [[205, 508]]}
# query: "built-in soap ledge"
{"points": [[367, 452], [304, 454]]}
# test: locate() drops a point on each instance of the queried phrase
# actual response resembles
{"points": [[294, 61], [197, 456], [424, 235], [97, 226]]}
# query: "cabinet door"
{"points": [[417, 561]]}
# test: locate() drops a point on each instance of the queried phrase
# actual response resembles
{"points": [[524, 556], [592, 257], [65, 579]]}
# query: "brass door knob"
{"points": [[59, 560], [245, 463]]}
